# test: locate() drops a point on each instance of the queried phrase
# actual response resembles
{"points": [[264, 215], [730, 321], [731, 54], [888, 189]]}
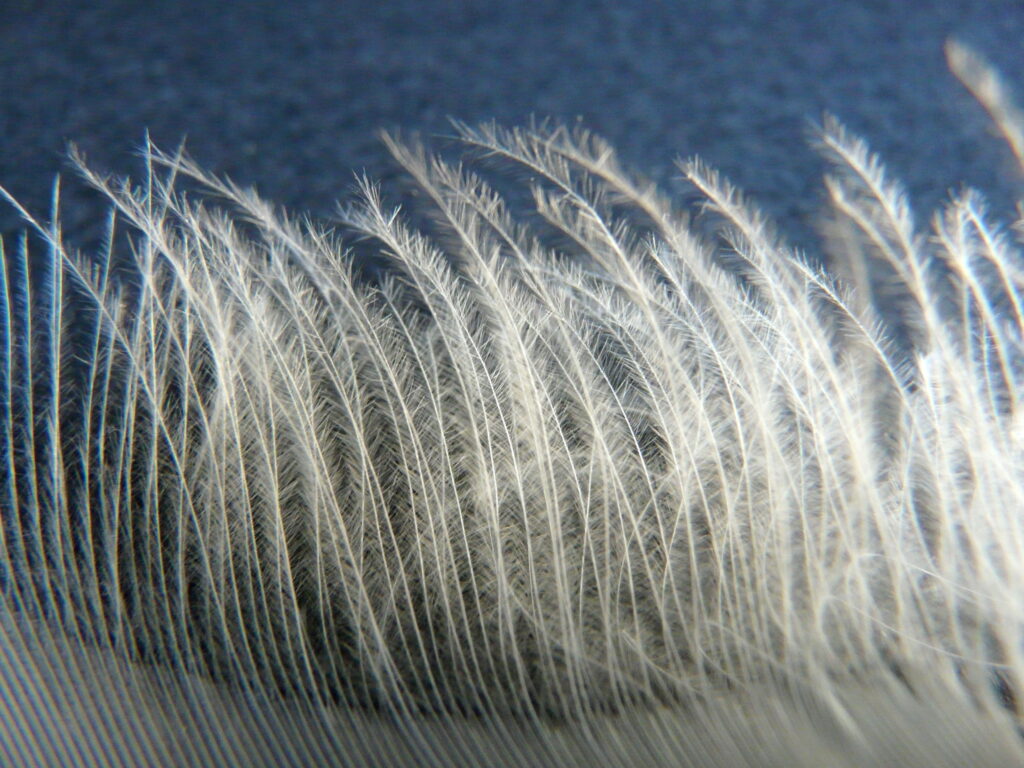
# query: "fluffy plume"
{"points": [[602, 481]]}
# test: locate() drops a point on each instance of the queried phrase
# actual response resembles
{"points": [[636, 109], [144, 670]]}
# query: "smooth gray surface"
{"points": [[289, 96]]}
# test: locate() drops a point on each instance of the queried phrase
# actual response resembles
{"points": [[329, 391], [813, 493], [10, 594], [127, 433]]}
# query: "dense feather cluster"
{"points": [[608, 467]]}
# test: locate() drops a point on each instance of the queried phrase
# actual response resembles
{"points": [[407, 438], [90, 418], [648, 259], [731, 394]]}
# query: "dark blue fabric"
{"points": [[289, 95]]}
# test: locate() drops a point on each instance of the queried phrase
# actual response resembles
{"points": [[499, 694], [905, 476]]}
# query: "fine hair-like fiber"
{"points": [[593, 480]]}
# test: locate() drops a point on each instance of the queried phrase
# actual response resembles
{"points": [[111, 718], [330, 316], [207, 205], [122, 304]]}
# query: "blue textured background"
{"points": [[289, 95]]}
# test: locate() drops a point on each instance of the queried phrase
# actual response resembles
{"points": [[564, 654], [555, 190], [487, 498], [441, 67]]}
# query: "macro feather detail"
{"points": [[601, 481]]}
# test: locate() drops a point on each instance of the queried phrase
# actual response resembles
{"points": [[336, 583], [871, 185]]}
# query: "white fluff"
{"points": [[592, 486]]}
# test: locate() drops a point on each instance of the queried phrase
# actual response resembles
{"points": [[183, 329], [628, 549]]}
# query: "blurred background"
{"points": [[290, 96]]}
